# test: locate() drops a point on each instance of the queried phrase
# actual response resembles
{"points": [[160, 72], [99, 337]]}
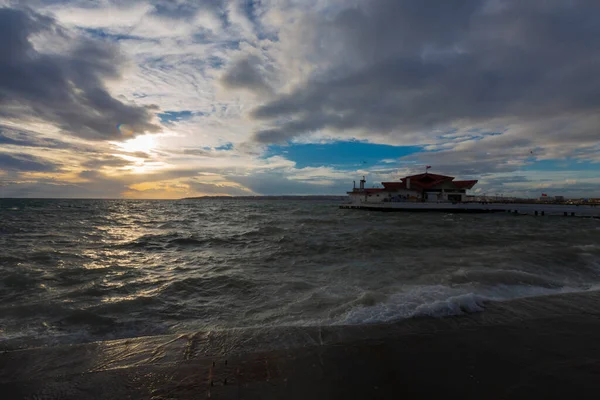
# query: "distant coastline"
{"points": [[288, 197], [470, 199]]}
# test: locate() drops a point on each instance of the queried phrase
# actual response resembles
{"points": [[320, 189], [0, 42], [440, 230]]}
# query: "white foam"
{"points": [[442, 301], [456, 305]]}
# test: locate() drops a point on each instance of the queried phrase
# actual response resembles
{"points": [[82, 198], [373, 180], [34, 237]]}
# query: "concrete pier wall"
{"points": [[520, 209]]}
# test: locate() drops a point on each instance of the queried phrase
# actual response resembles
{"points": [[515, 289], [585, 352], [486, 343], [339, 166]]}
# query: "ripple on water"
{"points": [[74, 270]]}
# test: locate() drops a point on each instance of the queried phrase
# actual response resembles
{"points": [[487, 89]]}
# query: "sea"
{"points": [[74, 271]]}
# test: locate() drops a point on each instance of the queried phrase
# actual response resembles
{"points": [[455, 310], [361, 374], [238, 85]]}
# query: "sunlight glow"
{"points": [[146, 167], [143, 143]]}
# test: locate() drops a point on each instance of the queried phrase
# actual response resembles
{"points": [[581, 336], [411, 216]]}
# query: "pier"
{"points": [[535, 209], [441, 193]]}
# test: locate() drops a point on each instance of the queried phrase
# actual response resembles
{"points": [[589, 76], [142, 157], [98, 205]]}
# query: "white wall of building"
{"points": [[401, 195]]}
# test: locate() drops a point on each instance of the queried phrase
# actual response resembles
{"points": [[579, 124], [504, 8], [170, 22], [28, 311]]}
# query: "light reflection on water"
{"points": [[76, 270]]}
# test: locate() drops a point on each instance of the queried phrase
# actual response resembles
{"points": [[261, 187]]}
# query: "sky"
{"points": [[175, 98]]}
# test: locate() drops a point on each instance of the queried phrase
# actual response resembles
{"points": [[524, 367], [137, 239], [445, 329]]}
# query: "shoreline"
{"points": [[539, 346]]}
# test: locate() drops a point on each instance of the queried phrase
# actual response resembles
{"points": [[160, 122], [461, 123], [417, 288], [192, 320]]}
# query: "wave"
{"points": [[87, 317], [263, 232], [444, 301], [33, 309], [214, 286], [18, 281], [9, 259], [125, 305], [503, 277], [318, 221], [146, 242], [169, 225], [133, 265], [166, 241]]}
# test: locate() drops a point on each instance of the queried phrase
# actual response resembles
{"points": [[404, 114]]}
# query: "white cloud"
{"points": [[118, 18], [320, 69]]}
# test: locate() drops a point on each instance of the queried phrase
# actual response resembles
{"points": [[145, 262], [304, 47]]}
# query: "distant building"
{"points": [[422, 187]]}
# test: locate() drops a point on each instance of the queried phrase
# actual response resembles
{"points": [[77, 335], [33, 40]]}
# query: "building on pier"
{"points": [[424, 187]]}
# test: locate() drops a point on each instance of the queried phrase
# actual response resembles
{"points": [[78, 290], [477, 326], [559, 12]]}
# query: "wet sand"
{"points": [[545, 347]]}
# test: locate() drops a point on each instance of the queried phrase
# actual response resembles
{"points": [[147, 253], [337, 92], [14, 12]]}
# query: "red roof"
{"points": [[464, 184], [427, 181], [429, 175], [394, 185]]}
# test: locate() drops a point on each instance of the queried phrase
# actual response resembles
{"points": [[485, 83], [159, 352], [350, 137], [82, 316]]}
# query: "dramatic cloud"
{"points": [[106, 161], [25, 162], [399, 66], [22, 138], [247, 73], [49, 74], [170, 99]]}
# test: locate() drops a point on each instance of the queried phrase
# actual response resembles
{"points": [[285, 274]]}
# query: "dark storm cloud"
{"points": [[65, 89], [106, 161], [29, 139], [471, 162], [395, 66], [246, 73], [8, 140], [25, 162], [52, 189], [500, 181]]}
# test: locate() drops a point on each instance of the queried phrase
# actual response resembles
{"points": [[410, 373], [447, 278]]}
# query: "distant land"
{"points": [[470, 199], [307, 197]]}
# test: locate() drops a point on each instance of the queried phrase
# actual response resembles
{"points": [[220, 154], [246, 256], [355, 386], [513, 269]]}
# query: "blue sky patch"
{"points": [[226, 146], [102, 34], [170, 116], [341, 155]]}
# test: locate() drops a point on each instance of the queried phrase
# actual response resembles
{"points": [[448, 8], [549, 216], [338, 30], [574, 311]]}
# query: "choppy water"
{"points": [[80, 270]]}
